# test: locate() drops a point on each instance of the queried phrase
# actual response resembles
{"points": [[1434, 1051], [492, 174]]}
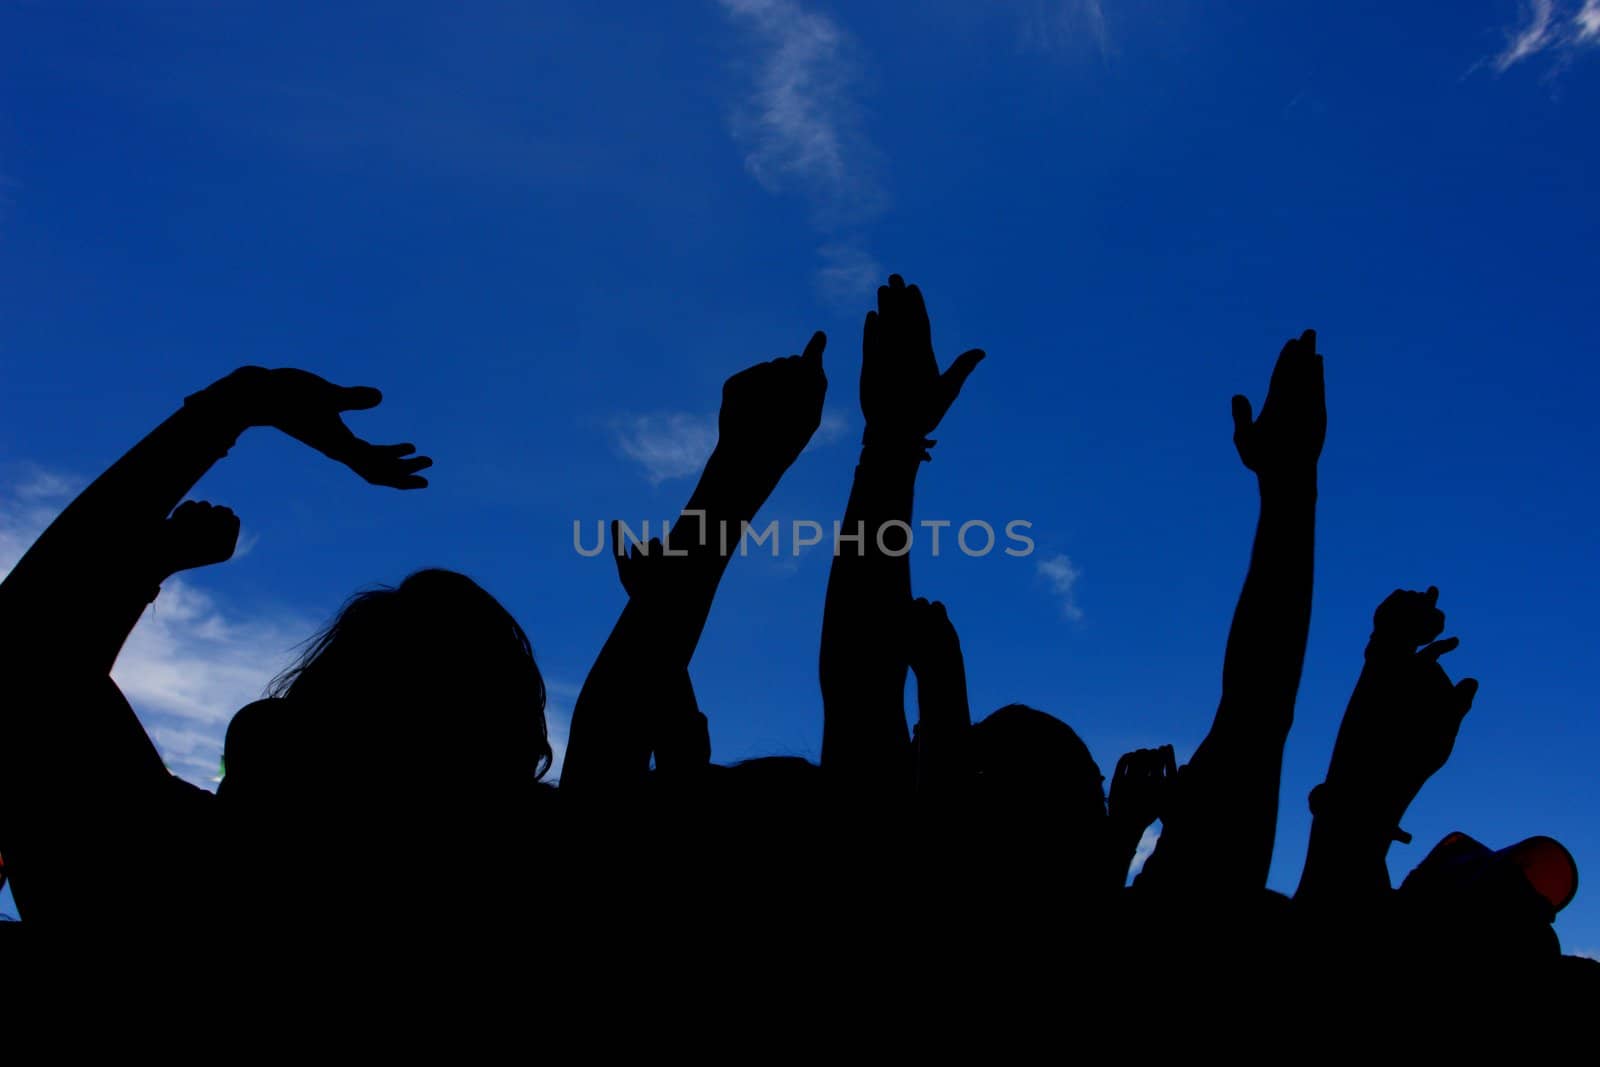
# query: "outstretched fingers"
{"points": [[390, 465]]}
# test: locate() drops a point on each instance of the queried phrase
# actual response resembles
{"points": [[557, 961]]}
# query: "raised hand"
{"points": [[1406, 619], [770, 411], [308, 408], [1139, 787], [1287, 436], [1402, 724], [933, 649], [1432, 706], [198, 534], [932, 646], [903, 394], [638, 566]]}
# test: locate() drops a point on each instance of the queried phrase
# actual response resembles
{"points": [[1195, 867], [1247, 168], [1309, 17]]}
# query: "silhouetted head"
{"points": [[428, 689], [1029, 756], [260, 745], [1040, 799], [1487, 904]]}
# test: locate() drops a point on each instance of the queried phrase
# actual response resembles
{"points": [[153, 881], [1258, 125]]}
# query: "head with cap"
{"points": [[1478, 902]]}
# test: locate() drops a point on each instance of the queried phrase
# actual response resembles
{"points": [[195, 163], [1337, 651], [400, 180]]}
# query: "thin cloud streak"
{"points": [[676, 444], [848, 271], [1587, 21], [1063, 577], [1532, 38], [802, 132], [667, 445], [1550, 28]]}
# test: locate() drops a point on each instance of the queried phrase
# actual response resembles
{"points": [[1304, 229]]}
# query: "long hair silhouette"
{"points": [[429, 680]]}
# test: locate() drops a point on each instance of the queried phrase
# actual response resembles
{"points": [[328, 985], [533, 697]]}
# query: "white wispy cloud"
{"points": [[1587, 21], [848, 271], [189, 664], [667, 446], [802, 132], [676, 444], [801, 128], [1533, 37], [1063, 577], [37, 487], [1548, 27]]}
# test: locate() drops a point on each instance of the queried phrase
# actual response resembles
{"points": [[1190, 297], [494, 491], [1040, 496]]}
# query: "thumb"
{"points": [[617, 551], [955, 376], [813, 353], [359, 398], [1439, 648], [1242, 418]]}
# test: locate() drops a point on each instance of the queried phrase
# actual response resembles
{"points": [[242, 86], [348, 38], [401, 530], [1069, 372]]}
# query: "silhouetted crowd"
{"points": [[385, 804]]}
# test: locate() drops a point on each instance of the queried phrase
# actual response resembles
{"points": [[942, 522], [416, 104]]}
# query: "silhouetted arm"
{"points": [[637, 699], [198, 534], [75, 764], [944, 716], [863, 677], [1219, 833], [861, 668], [1398, 730], [111, 537]]}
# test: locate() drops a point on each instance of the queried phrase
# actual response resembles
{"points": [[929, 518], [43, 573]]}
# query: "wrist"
{"points": [[894, 453], [1288, 483], [1342, 865], [895, 441], [1387, 648], [731, 489], [224, 403], [1334, 805]]}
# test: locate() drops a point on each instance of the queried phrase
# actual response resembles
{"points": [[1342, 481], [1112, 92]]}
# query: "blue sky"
{"points": [[549, 234]]}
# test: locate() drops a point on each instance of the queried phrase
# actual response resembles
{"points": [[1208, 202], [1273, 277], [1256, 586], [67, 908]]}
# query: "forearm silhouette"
{"points": [[861, 667], [1398, 731], [83, 790], [637, 699], [198, 534], [1218, 834], [944, 715]]}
